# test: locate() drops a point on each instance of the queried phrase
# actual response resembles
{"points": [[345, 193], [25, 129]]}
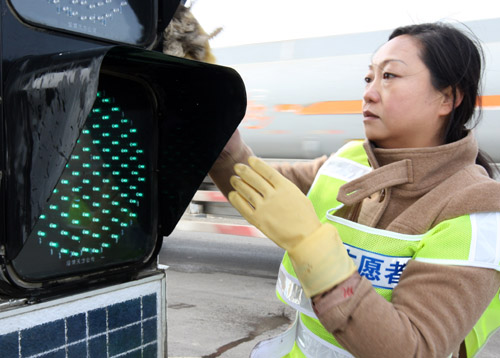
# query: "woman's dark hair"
{"points": [[454, 60]]}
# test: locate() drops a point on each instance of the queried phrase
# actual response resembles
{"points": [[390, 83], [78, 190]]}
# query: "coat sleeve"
{"points": [[433, 308]]}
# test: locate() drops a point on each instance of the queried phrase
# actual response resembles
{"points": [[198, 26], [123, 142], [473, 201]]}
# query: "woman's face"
{"points": [[401, 108]]}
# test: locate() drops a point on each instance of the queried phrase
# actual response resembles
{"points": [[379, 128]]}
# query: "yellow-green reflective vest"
{"points": [[381, 256]]}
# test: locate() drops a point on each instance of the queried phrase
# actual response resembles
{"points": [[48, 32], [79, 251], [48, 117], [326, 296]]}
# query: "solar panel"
{"points": [[119, 321]]}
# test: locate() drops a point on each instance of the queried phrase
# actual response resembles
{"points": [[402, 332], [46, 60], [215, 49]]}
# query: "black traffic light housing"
{"points": [[103, 144]]}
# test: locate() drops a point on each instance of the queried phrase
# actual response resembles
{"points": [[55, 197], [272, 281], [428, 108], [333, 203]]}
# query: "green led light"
{"points": [[64, 233], [75, 222], [96, 188], [124, 150], [105, 196], [86, 181], [55, 191], [87, 215], [124, 165], [85, 131], [139, 195], [132, 201], [115, 142], [141, 166], [75, 205], [43, 217], [64, 215], [95, 126], [96, 110], [114, 236], [124, 120], [53, 226], [86, 165], [95, 220], [133, 144], [133, 215], [134, 173], [105, 134], [106, 150], [75, 189], [85, 249], [124, 210], [96, 157], [115, 220], [42, 233], [106, 165], [105, 118], [96, 251], [65, 198], [64, 251], [115, 109], [141, 179], [124, 180], [85, 149], [106, 211], [123, 224], [96, 173], [124, 195], [86, 232], [124, 135], [105, 228], [106, 181], [133, 130], [105, 244], [96, 141], [139, 151], [106, 100], [132, 187], [75, 157], [85, 197], [53, 244], [133, 158], [75, 254], [75, 174], [115, 188], [115, 203], [115, 157], [96, 235], [115, 126], [75, 238], [64, 181], [115, 172], [96, 205]]}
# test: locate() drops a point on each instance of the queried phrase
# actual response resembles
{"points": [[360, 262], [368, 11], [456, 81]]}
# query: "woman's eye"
{"points": [[388, 75], [368, 79]]}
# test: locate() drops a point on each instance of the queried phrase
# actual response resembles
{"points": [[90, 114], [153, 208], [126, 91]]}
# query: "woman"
{"points": [[398, 242]]}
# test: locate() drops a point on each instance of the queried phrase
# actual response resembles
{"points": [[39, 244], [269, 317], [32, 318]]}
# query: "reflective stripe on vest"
{"points": [[309, 344], [290, 290]]}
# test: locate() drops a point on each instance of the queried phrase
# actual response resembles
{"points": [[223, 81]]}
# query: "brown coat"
{"points": [[409, 191]]}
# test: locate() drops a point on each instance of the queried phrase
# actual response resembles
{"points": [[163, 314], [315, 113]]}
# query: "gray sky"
{"points": [[253, 21]]}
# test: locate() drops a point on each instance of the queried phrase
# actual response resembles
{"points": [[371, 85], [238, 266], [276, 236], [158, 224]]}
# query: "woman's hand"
{"points": [[272, 203], [284, 214]]}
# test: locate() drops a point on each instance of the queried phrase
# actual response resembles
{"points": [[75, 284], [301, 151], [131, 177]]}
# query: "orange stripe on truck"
{"points": [[354, 107], [490, 101]]}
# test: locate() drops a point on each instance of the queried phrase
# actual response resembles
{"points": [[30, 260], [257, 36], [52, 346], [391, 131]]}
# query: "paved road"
{"points": [[221, 299]]}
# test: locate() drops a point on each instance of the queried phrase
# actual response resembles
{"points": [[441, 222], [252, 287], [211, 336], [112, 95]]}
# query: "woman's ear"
{"points": [[447, 105]]}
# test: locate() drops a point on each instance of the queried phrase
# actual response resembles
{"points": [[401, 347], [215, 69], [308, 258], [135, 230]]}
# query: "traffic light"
{"points": [[104, 139]]}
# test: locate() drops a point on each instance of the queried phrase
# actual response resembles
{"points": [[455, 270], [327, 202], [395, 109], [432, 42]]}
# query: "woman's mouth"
{"points": [[369, 115]]}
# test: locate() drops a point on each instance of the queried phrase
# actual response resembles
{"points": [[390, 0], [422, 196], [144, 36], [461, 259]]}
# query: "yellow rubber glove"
{"points": [[284, 214]]}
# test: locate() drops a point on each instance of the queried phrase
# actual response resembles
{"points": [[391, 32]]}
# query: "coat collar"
{"points": [[414, 170]]}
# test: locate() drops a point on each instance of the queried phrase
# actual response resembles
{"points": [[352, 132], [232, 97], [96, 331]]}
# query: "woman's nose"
{"points": [[371, 93]]}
